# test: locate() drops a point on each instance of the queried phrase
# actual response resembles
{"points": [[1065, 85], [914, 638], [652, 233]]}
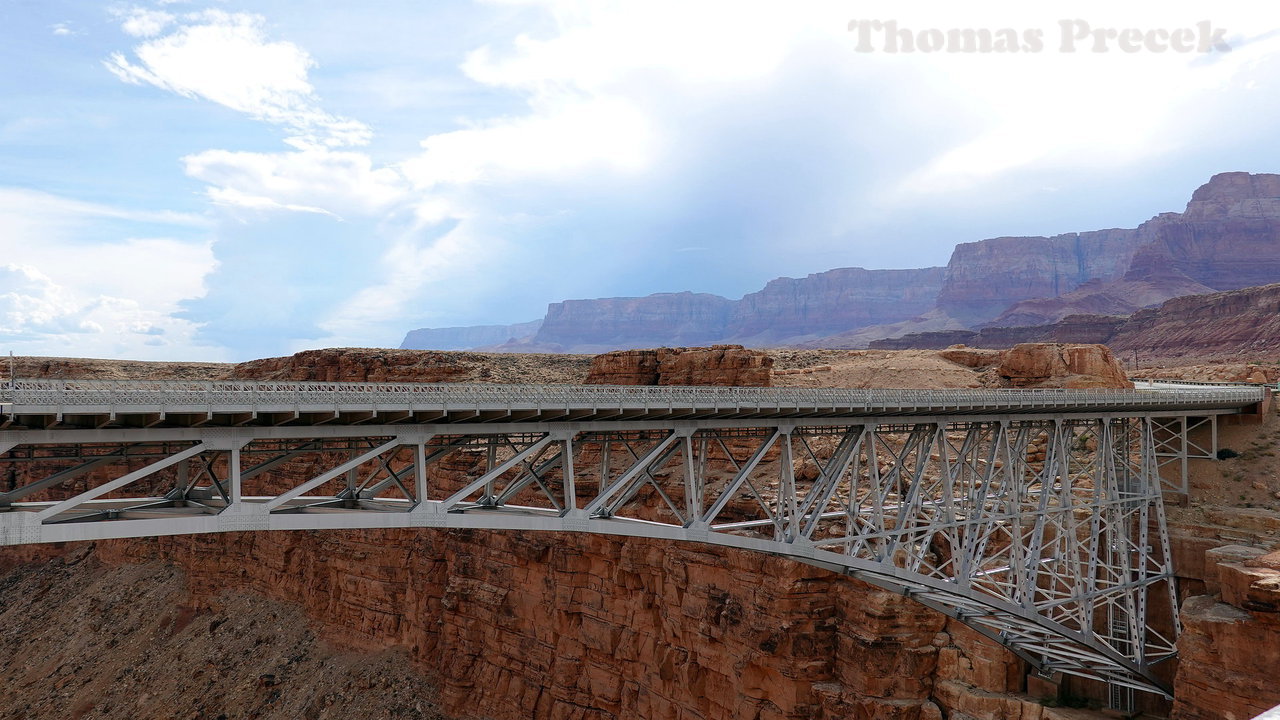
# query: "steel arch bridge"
{"points": [[1033, 516]]}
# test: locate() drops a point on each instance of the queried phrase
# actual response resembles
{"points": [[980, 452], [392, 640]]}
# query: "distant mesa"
{"points": [[469, 337], [1227, 238]]}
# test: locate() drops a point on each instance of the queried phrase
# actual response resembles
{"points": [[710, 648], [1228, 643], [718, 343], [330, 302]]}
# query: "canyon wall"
{"points": [[1227, 238], [986, 277], [520, 625], [619, 323], [786, 310], [789, 310], [1231, 638], [1242, 323]]}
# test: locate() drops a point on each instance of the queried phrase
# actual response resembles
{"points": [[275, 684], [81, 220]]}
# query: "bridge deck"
{"points": [[1051, 547], [97, 403]]}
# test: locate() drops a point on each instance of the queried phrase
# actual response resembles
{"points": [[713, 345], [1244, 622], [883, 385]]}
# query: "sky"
{"points": [[226, 180]]}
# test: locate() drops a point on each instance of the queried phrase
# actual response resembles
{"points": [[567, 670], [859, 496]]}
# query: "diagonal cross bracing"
{"points": [[1035, 518]]}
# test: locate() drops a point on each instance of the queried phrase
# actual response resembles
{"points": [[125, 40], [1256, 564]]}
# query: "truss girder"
{"points": [[1046, 535]]}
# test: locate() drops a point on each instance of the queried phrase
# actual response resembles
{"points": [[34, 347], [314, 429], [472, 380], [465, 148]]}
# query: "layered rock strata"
{"points": [[1227, 238], [1237, 322], [717, 365], [1231, 638]]}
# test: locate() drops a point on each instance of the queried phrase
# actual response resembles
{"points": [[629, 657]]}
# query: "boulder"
{"points": [[1032, 365]]}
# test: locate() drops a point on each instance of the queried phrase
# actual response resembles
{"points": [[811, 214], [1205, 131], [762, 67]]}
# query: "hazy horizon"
{"points": [[224, 180]]}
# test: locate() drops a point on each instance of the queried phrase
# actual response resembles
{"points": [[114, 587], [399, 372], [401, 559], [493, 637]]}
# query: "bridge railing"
{"points": [[238, 393], [1205, 383]]}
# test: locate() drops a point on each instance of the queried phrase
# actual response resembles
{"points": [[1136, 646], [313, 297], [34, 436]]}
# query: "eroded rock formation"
{"points": [[1031, 365], [986, 277], [355, 365], [617, 323], [789, 311], [1231, 638], [716, 365], [1228, 323], [1227, 238]]}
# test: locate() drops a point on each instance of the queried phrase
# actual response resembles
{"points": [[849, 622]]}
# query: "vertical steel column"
{"points": [[491, 459], [692, 491], [570, 483], [420, 471], [1184, 451], [233, 476], [785, 530]]}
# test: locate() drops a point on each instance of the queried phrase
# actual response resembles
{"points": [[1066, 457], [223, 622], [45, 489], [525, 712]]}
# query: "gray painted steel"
{"points": [[1034, 517], [176, 403]]}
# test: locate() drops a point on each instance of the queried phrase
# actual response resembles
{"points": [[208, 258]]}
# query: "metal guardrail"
{"points": [[1201, 383], [242, 393]]}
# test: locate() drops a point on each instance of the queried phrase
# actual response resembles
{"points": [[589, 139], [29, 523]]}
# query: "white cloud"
{"points": [[62, 30], [321, 181], [35, 309], [1100, 111], [575, 136], [408, 265], [32, 304], [228, 59], [21, 208], [1048, 109], [61, 293], [629, 90], [144, 22]]}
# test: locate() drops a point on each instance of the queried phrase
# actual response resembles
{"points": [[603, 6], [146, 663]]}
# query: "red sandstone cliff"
{"points": [[717, 365], [789, 311], [1239, 323], [1227, 238], [1231, 638], [1243, 321], [986, 277], [617, 323]]}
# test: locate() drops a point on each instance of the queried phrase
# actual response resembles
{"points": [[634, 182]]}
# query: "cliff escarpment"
{"points": [[1227, 238], [1240, 324]]}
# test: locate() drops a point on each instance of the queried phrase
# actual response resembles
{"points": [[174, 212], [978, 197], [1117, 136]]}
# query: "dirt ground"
{"points": [[918, 369], [1237, 498], [79, 640]]}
